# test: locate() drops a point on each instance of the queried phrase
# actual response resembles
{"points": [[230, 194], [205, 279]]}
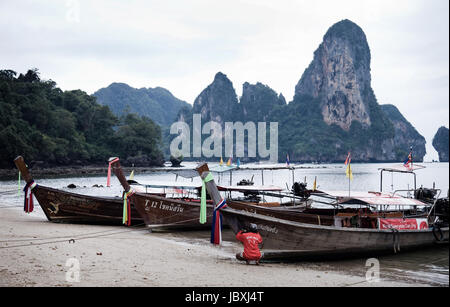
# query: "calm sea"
{"points": [[429, 266]]}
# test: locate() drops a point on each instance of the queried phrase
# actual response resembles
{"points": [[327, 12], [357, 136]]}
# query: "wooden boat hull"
{"points": [[164, 213], [66, 207], [288, 239], [161, 213], [288, 213]]}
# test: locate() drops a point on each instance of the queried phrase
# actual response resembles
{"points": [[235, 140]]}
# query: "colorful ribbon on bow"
{"points": [[208, 178], [108, 179], [126, 218], [216, 231], [18, 191], [28, 202]]}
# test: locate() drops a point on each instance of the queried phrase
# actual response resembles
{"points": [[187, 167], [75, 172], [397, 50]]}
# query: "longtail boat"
{"points": [[356, 225], [160, 212], [176, 206], [66, 207]]}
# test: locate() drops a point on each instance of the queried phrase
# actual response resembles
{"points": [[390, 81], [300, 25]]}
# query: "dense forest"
{"points": [[156, 103], [43, 123]]}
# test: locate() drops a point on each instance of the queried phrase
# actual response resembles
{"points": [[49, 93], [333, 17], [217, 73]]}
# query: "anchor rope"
{"points": [[79, 237]]}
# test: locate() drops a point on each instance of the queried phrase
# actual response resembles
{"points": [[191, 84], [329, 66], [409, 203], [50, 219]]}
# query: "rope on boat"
{"points": [[8, 191], [174, 223], [177, 214], [61, 237]]}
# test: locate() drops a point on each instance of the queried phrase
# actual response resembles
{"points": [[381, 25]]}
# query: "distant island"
{"points": [[441, 143]]}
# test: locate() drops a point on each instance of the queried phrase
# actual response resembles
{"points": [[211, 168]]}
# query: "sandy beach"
{"points": [[35, 252]]}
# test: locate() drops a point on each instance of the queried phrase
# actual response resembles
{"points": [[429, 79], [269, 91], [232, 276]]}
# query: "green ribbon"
{"points": [[126, 216], [203, 198], [18, 193]]}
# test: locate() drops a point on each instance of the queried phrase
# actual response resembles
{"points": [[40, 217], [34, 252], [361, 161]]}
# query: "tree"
{"points": [[41, 122]]}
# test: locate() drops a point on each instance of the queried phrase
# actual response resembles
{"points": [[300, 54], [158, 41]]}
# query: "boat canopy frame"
{"points": [[392, 170]]}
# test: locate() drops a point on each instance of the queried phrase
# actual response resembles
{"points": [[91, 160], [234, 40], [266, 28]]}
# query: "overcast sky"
{"points": [[181, 45]]}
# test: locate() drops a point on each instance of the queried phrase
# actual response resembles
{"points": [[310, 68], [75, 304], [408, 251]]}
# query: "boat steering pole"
{"points": [[117, 169], [20, 164]]}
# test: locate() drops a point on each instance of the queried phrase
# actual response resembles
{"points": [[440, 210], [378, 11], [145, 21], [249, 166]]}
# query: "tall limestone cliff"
{"points": [[441, 144], [405, 133], [218, 102], [339, 76], [336, 105]]}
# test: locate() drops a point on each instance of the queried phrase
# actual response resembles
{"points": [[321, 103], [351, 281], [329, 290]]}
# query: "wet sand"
{"points": [[35, 252]]}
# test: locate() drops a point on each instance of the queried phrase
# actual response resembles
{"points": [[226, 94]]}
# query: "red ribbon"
{"points": [[108, 179], [28, 205], [216, 231]]}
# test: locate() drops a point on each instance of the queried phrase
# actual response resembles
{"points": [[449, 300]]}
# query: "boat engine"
{"points": [[252, 197], [442, 210], [299, 189], [426, 195], [245, 182]]}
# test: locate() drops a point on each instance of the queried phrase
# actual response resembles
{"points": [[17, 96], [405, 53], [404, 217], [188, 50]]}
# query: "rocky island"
{"points": [[441, 143], [334, 109]]}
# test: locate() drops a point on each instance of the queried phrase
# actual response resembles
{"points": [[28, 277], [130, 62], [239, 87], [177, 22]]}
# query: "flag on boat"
{"points": [[348, 160], [408, 162], [348, 171]]}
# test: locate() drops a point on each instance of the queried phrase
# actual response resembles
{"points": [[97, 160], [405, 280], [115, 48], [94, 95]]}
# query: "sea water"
{"points": [[430, 266]]}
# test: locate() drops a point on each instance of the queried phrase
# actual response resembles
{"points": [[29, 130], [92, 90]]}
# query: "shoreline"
{"points": [[71, 171], [98, 170], [35, 252], [95, 170]]}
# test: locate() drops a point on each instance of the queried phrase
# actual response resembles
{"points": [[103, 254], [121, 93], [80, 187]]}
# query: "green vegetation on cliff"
{"points": [[306, 137], [44, 123], [155, 103]]}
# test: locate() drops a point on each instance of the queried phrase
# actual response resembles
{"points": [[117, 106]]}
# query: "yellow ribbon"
{"points": [[126, 217]]}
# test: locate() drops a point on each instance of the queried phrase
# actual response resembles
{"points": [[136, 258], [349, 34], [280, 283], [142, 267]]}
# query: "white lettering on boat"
{"points": [[149, 204], [268, 228]]}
